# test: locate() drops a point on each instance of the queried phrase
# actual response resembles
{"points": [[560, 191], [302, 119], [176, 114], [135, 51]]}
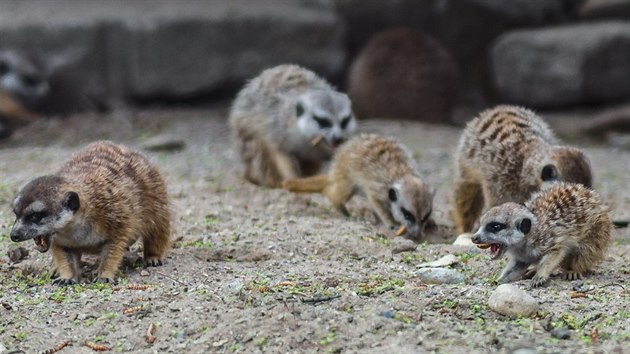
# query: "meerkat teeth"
{"points": [[401, 231], [484, 246], [317, 140]]}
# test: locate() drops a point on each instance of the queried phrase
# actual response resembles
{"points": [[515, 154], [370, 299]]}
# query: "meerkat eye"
{"points": [[345, 121], [495, 227], [427, 216], [36, 217], [549, 173], [408, 216], [323, 122]]}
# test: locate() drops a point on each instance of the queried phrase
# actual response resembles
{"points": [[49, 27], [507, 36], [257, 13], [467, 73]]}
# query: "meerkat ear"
{"points": [[549, 173], [392, 195], [71, 201], [525, 225], [299, 109]]}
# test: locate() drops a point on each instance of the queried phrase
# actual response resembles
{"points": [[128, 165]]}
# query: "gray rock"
{"points": [[234, 286], [148, 48], [561, 333], [565, 65], [440, 276], [509, 300]]}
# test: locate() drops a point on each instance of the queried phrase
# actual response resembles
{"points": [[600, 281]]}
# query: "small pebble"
{"points": [[144, 273]]}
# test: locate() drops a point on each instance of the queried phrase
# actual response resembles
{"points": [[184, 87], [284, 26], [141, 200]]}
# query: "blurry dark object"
{"points": [[33, 86], [403, 73], [17, 254], [600, 9]]}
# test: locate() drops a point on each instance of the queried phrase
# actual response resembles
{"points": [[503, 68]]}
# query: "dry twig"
{"points": [[57, 347]]}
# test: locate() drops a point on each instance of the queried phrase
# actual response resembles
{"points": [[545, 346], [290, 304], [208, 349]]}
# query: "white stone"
{"points": [[510, 300]]}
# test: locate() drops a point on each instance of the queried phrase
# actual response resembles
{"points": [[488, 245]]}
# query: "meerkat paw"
{"points": [[153, 262], [538, 281], [570, 275], [104, 280], [64, 282]]}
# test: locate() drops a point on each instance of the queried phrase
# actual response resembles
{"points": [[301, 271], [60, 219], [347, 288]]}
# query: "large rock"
{"points": [[586, 63], [509, 300], [148, 48]]}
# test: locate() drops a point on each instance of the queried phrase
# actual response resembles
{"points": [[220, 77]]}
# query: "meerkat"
{"points": [[384, 171], [404, 73], [286, 122], [564, 225], [505, 155], [101, 201]]}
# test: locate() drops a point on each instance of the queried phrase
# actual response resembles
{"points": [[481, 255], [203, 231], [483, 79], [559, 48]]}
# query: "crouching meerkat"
{"points": [[382, 170], [286, 122], [505, 155], [101, 201], [563, 225]]}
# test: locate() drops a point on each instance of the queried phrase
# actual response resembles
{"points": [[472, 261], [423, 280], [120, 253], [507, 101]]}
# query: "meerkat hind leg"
{"points": [[339, 193], [111, 257]]}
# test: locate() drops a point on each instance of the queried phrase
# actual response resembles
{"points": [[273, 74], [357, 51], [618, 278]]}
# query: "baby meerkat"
{"points": [[286, 122], [382, 170], [564, 225], [101, 201], [505, 155]]}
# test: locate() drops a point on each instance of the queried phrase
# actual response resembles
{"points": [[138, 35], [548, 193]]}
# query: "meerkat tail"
{"points": [[14, 110], [315, 184]]}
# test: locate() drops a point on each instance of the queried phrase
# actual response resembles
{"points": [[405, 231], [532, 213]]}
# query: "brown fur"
{"points": [[372, 165], [501, 158], [122, 198], [570, 228], [403, 73]]}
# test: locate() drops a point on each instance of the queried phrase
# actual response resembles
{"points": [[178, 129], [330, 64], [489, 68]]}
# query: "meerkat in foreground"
{"points": [[564, 225], [286, 122], [101, 201], [505, 155], [382, 170]]}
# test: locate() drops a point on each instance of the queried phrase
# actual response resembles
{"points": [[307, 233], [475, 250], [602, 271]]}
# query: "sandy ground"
{"points": [[261, 270]]}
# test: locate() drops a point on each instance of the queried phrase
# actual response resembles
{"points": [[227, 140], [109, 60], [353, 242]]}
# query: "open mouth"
{"points": [[495, 249], [42, 243]]}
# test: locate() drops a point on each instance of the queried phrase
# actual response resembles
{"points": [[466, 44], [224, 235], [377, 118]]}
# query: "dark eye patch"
{"points": [[4, 68], [495, 227], [36, 217], [323, 122], [31, 80], [408, 216], [345, 121]]}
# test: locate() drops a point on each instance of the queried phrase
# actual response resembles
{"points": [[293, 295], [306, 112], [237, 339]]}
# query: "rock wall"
{"points": [[542, 53]]}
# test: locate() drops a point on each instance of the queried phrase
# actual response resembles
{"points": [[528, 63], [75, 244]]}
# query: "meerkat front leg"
{"points": [[547, 264], [381, 211], [468, 205], [339, 192], [513, 271], [66, 264], [111, 256], [284, 165]]}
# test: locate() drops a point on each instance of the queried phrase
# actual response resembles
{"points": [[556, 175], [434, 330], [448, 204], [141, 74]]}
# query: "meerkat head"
{"points": [[23, 76], [571, 165], [503, 227], [42, 208], [326, 114], [411, 205]]}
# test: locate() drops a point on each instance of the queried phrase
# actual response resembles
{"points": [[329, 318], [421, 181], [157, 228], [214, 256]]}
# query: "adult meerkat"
{"points": [[382, 170], [563, 225], [505, 155], [102, 200], [286, 122]]}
